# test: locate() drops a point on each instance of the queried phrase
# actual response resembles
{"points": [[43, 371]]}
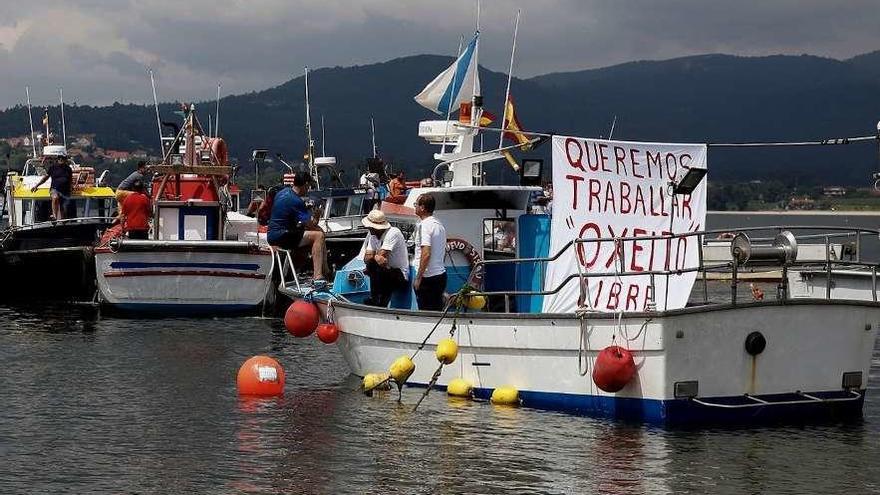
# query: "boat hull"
{"points": [[183, 282], [692, 364]]}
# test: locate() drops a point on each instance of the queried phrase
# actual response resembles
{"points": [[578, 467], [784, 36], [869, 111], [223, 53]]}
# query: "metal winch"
{"points": [[783, 250]]}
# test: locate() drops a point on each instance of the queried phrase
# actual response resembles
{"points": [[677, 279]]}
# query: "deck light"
{"points": [[689, 182]]}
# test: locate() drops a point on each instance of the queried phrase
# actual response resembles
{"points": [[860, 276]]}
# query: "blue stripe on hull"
{"points": [[683, 412], [161, 309]]}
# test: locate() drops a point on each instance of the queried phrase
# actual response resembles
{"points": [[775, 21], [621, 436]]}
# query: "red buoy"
{"points": [[261, 375], [301, 318], [327, 333], [614, 368]]}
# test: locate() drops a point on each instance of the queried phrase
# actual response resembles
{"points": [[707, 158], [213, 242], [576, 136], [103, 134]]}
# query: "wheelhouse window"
{"points": [[499, 235]]}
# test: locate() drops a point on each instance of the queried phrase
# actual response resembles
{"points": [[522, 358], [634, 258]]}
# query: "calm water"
{"points": [[95, 404], [131, 406]]}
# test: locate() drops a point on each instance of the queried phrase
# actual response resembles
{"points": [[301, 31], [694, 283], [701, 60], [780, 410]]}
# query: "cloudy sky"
{"points": [[99, 50]]}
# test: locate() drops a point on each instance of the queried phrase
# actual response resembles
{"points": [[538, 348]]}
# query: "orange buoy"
{"points": [[301, 318], [614, 368], [261, 375], [327, 333]]}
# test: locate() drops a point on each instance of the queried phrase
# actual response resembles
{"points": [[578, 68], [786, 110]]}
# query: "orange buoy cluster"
{"points": [[327, 333], [614, 368], [261, 376], [301, 318]]}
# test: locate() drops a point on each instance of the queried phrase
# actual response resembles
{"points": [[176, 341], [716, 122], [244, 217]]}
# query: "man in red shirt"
{"points": [[136, 212]]}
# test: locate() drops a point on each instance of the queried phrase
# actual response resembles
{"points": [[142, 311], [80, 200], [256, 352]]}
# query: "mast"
{"points": [[373, 134], [311, 144], [509, 78], [322, 135], [27, 91], [63, 125], [158, 120], [217, 119]]}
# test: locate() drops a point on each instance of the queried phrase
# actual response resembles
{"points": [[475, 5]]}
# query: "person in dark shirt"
{"points": [[58, 169], [136, 212], [126, 186], [291, 225]]}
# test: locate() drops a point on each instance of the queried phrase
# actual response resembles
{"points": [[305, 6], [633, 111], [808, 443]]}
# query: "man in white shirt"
{"points": [[386, 259], [430, 251]]}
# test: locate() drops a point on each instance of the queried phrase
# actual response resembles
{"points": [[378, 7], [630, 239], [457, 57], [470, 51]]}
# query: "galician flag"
{"points": [[454, 85]]}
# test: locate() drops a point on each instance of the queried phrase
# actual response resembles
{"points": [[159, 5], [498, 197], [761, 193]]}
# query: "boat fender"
{"points": [[505, 396], [301, 318], [459, 387], [376, 381], [755, 343], [475, 303], [614, 368], [261, 376], [327, 333], [401, 369], [447, 351]]}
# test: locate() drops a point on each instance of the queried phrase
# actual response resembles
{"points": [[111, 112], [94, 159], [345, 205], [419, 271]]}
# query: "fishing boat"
{"points": [[599, 311], [46, 257], [191, 263]]}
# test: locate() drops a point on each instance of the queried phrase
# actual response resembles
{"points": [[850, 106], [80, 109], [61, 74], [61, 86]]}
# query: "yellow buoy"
{"points": [[401, 369], [447, 351], [506, 395], [376, 381], [475, 302], [459, 387]]}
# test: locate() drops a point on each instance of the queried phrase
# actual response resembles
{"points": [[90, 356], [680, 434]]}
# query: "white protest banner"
{"points": [[618, 189]]}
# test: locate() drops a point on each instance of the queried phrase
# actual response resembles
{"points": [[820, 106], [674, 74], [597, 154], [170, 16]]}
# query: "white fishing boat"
{"points": [[612, 275], [189, 264]]}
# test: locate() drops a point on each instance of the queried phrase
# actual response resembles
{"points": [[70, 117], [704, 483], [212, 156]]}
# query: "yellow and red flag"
{"points": [[513, 127], [486, 118]]}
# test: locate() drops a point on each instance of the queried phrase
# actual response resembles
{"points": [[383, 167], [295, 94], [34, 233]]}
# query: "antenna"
{"points": [[156, 104], [613, 123], [509, 78], [217, 119], [311, 143], [27, 91], [373, 133], [322, 135], [63, 125]]}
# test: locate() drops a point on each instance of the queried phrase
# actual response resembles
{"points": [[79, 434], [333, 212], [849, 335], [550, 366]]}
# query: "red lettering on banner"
{"points": [[576, 163], [580, 247], [620, 159], [617, 251], [609, 197], [670, 171], [614, 294], [686, 207], [640, 200], [598, 293], [655, 160], [625, 204], [633, 265], [631, 296], [574, 185], [602, 157], [634, 162], [595, 187]]}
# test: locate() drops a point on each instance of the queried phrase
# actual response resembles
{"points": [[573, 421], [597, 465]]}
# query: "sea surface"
{"points": [[97, 404]]}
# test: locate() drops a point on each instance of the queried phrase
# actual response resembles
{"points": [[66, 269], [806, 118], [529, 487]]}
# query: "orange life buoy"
{"points": [[471, 254]]}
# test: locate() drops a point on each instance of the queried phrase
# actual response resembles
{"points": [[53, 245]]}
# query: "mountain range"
{"points": [[707, 98]]}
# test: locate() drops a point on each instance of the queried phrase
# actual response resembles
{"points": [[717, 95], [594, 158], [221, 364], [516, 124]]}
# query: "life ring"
{"points": [[473, 257]]}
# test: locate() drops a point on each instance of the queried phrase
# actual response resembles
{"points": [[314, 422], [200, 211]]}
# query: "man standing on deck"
{"points": [[430, 250], [291, 225], [58, 169], [126, 186], [386, 259], [136, 211]]}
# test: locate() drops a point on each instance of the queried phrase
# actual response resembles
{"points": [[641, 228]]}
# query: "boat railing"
{"points": [[728, 271]]}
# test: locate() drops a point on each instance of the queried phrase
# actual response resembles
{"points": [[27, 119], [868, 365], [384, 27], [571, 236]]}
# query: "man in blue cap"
{"points": [[291, 225]]}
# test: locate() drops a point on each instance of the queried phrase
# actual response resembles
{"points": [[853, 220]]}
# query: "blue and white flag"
{"points": [[454, 85]]}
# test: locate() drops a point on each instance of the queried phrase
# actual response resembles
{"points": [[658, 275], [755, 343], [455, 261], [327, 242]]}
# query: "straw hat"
{"points": [[376, 220]]}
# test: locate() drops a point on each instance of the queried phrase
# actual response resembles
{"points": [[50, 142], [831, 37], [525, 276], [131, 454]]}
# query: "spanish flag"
{"points": [[486, 118], [513, 128]]}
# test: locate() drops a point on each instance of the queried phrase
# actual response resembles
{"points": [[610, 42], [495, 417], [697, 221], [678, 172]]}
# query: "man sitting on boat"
{"points": [[292, 226], [430, 250], [386, 259], [58, 169], [136, 212]]}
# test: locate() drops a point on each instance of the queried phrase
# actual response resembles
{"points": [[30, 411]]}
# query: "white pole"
{"points": [[509, 78], [27, 90], [373, 134], [158, 120], [322, 135], [217, 118], [63, 125], [309, 132], [613, 122]]}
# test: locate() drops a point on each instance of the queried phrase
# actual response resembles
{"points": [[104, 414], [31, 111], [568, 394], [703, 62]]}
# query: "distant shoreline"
{"points": [[804, 213]]}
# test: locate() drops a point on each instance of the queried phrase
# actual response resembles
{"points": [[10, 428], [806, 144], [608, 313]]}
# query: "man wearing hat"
{"points": [[291, 225], [386, 259]]}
